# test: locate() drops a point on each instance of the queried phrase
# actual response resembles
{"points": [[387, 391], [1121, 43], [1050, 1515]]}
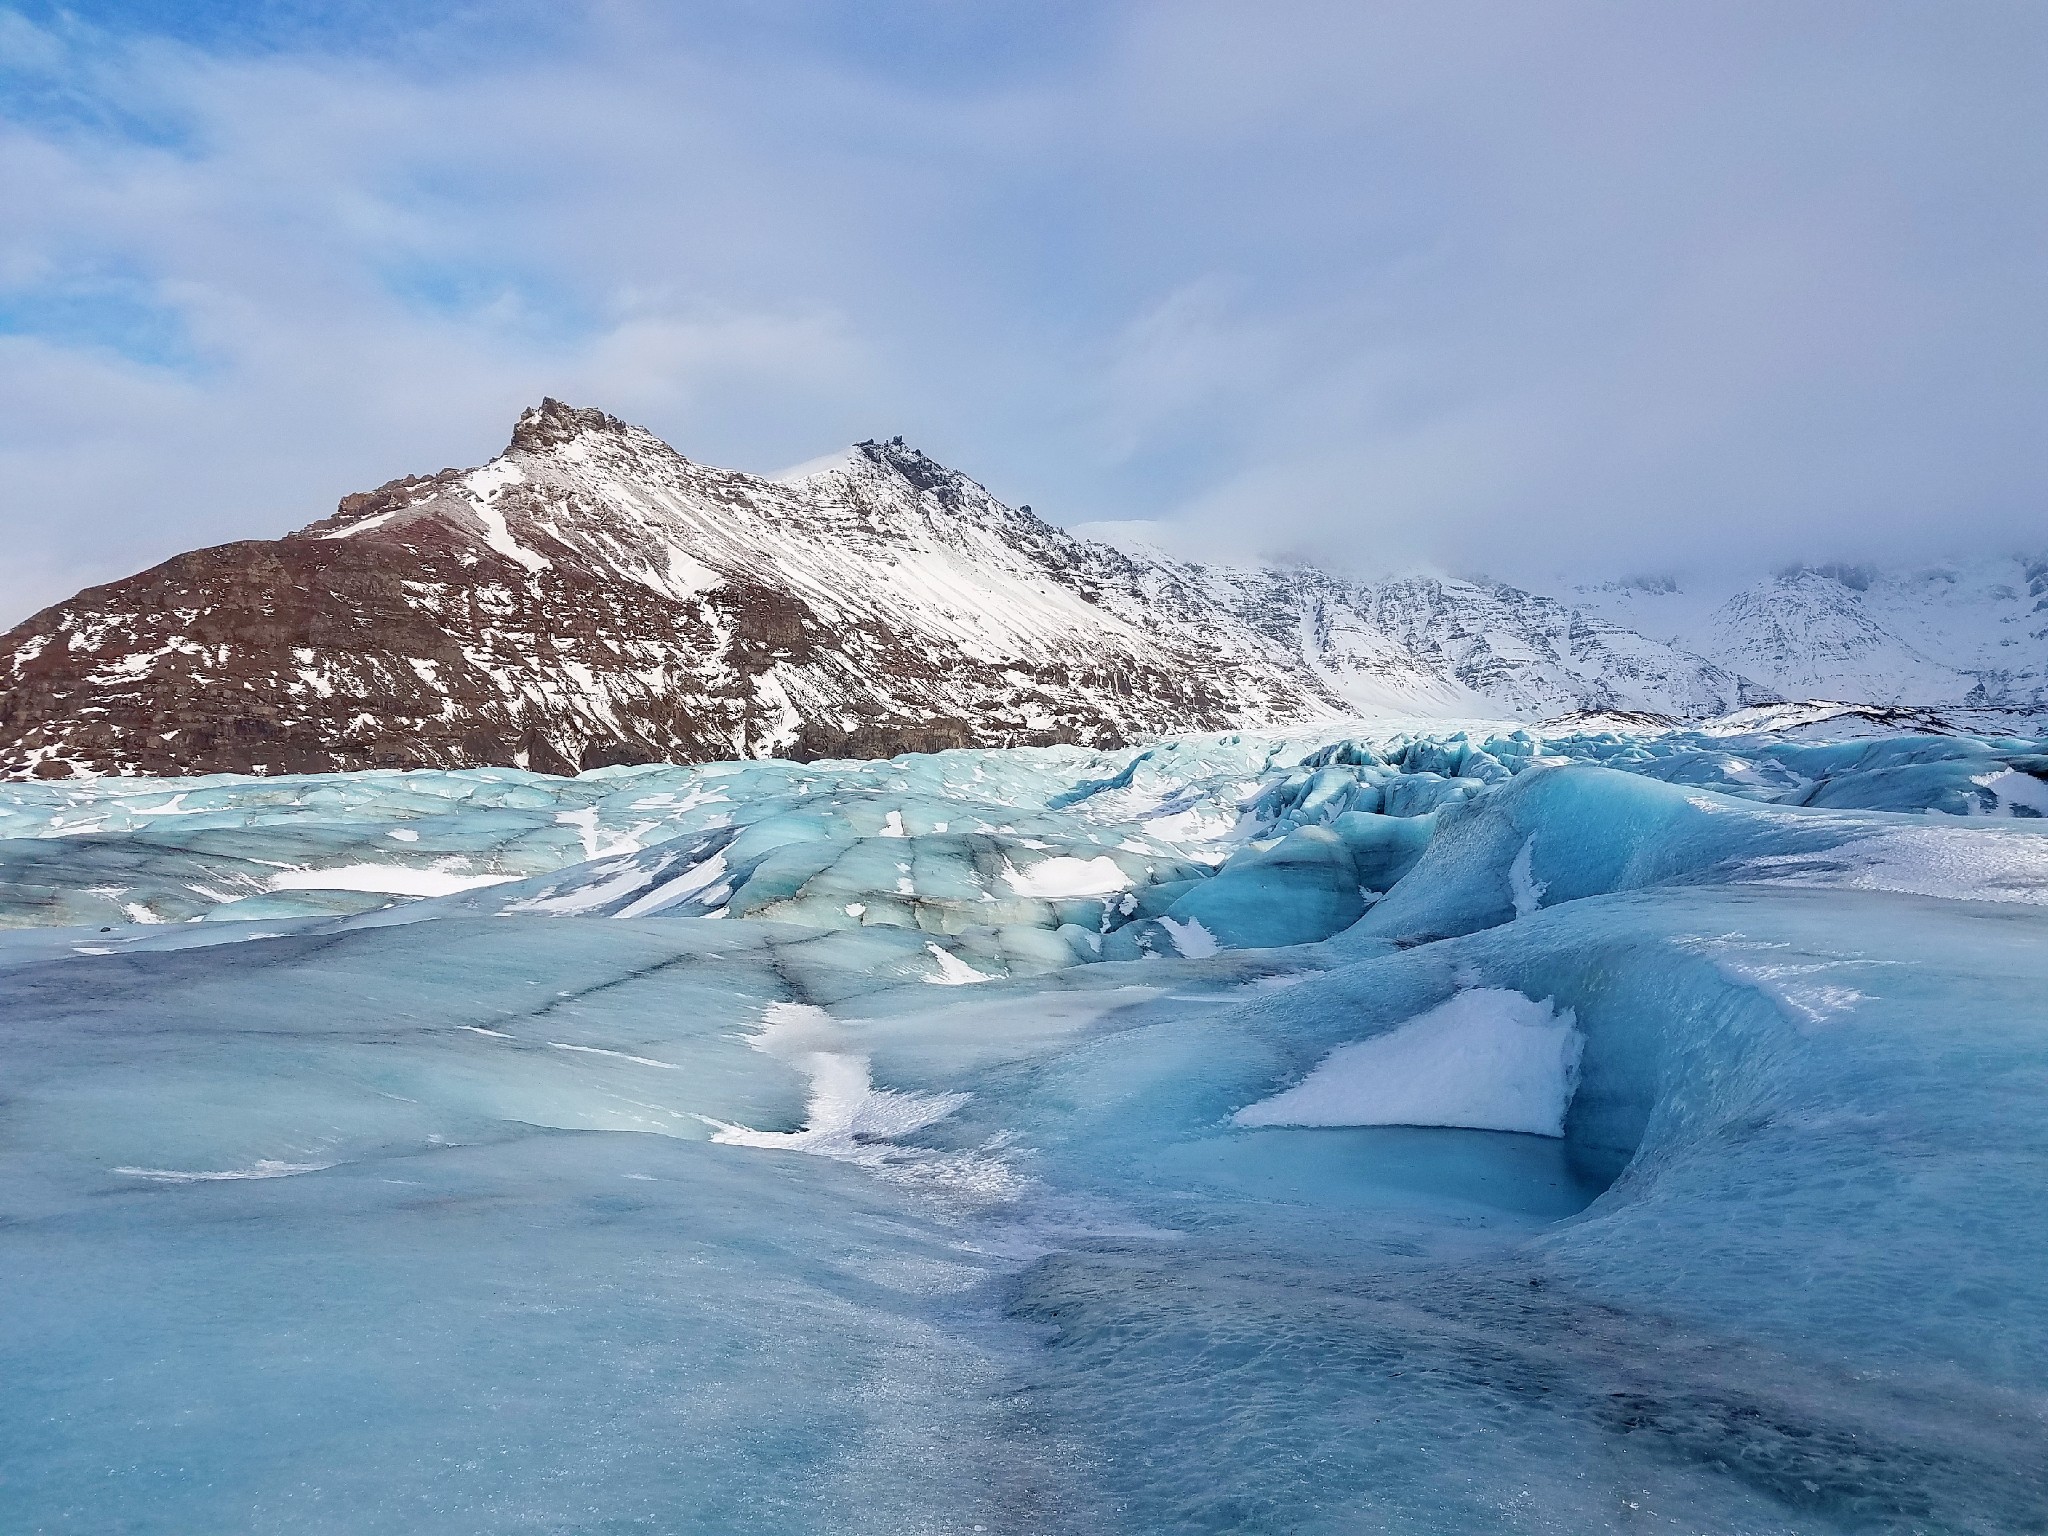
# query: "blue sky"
{"points": [[1514, 287]]}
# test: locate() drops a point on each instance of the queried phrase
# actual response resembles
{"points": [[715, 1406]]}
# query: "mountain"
{"points": [[1969, 632], [1437, 646], [591, 597]]}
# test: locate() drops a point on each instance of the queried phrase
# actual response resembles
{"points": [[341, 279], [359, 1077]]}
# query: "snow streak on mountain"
{"points": [[590, 597]]}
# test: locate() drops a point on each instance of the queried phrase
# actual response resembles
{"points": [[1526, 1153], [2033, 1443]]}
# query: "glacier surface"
{"points": [[1597, 1128]]}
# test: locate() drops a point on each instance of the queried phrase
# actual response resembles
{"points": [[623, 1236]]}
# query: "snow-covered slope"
{"points": [[591, 597], [1434, 645], [1967, 632]]}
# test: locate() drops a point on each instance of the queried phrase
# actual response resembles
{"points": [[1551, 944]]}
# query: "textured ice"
{"points": [[993, 1140]]}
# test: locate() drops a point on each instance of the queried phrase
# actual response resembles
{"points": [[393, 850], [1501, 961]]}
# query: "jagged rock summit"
{"points": [[591, 597]]}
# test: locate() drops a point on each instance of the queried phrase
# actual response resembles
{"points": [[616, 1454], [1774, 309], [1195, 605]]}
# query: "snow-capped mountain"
{"points": [[592, 597], [1972, 632]]}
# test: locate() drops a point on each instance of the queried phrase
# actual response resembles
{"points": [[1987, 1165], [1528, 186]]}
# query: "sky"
{"points": [[1506, 287]]}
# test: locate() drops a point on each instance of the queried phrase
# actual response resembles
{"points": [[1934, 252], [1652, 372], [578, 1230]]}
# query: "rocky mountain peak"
{"points": [[552, 423], [923, 471], [1856, 578]]}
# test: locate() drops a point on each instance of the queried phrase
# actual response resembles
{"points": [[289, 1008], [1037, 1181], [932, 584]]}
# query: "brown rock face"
{"points": [[591, 598]]}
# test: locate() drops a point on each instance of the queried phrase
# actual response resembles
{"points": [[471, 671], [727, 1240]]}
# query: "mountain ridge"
{"points": [[1971, 632], [592, 597]]}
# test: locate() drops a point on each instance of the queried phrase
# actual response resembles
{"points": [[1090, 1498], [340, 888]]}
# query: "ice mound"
{"points": [[1568, 831], [1487, 1059], [1498, 1129]]}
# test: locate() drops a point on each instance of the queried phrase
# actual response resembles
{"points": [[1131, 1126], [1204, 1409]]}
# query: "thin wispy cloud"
{"points": [[1505, 287]]}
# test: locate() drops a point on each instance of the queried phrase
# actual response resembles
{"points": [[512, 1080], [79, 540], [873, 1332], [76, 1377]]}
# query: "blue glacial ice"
{"points": [[1460, 1131]]}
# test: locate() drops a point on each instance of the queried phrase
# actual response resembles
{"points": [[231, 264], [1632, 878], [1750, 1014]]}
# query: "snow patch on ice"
{"points": [[1065, 877], [691, 883], [1192, 940], [953, 971], [262, 1168], [594, 847], [1999, 862], [580, 899], [2016, 791], [384, 880], [175, 806], [846, 1116], [1190, 826], [1489, 1059], [1528, 890], [598, 1050]]}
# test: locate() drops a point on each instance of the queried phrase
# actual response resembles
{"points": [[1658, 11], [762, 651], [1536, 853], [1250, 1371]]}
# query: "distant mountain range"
{"points": [[1971, 632], [590, 597]]}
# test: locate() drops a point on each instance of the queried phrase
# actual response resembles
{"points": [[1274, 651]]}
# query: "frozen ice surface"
{"points": [[991, 1140]]}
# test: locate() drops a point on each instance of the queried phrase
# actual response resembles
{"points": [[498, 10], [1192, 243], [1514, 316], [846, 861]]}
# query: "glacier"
{"points": [[1439, 1128]]}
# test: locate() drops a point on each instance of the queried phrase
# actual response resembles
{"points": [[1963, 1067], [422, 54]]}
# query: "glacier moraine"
{"points": [[1485, 1130]]}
